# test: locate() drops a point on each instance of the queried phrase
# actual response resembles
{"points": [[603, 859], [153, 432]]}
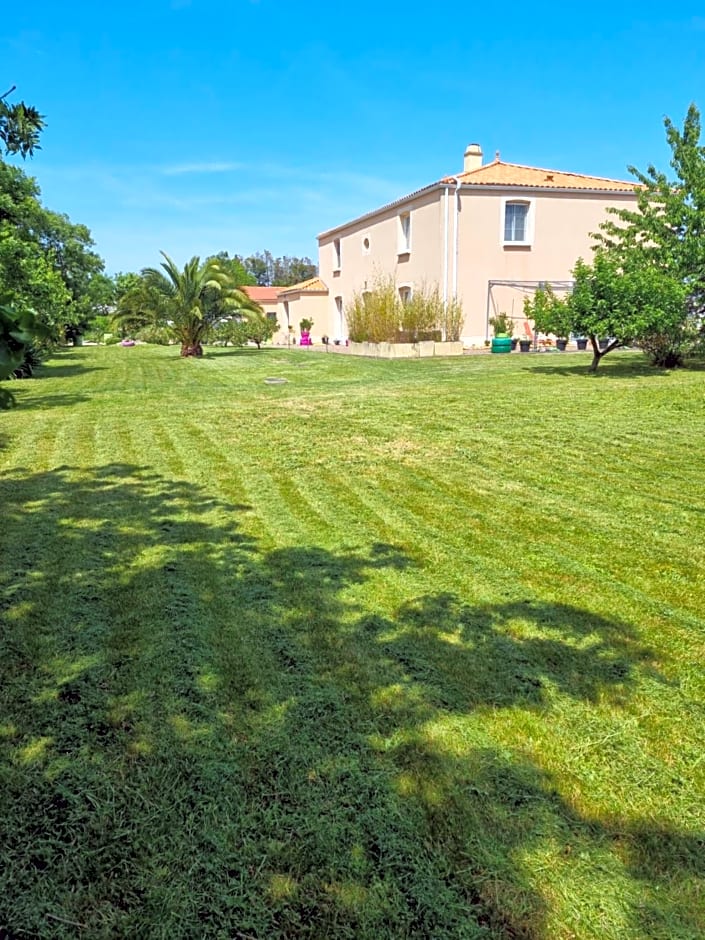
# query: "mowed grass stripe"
{"points": [[382, 702]]}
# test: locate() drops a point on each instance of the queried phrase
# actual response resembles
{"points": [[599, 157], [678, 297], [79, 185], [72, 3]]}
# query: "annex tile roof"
{"points": [[314, 285], [263, 295], [498, 173]]}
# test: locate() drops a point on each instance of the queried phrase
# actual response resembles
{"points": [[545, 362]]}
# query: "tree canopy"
{"points": [[267, 270], [20, 126], [666, 231], [618, 303]]}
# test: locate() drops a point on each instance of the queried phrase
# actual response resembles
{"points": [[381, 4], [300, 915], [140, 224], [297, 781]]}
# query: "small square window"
{"points": [[405, 294]]}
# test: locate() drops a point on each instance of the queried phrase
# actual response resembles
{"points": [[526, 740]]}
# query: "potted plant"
{"points": [[561, 343], [305, 325], [525, 344], [503, 327], [581, 342]]}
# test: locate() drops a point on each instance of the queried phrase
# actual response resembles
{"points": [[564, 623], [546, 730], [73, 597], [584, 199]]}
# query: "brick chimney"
{"points": [[473, 158]]}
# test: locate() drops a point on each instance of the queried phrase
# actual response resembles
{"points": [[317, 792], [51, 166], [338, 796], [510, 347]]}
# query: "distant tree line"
{"points": [[264, 269]]}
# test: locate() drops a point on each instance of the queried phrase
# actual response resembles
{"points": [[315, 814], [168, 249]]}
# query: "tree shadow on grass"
{"points": [[61, 370], [204, 736], [624, 366], [28, 401], [246, 352]]}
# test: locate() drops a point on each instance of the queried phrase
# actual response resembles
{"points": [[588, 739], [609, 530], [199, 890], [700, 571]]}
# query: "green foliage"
{"points": [[668, 226], [18, 330], [188, 302], [551, 314], [261, 328], [666, 231], [421, 314], [156, 335], [234, 268], [380, 316], [502, 324], [305, 325], [46, 262], [20, 127], [625, 304], [264, 269], [235, 331]]}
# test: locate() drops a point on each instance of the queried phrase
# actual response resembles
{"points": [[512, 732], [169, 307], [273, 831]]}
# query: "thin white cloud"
{"points": [[180, 169]]}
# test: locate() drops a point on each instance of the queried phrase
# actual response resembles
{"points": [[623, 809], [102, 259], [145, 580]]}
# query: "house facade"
{"points": [[488, 236]]}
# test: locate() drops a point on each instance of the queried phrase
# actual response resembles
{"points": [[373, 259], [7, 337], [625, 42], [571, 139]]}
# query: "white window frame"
{"points": [[528, 240], [404, 234], [339, 316], [337, 255], [405, 291]]}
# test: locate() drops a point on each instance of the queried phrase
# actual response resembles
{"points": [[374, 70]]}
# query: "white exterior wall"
{"points": [[457, 242], [359, 266], [561, 227]]}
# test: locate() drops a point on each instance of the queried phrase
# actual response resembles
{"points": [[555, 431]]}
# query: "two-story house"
{"points": [[486, 235]]}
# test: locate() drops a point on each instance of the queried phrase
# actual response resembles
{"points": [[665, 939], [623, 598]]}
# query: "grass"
{"points": [[393, 649]]}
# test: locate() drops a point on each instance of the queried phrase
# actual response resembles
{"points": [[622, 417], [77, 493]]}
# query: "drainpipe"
{"points": [[445, 250], [458, 184]]}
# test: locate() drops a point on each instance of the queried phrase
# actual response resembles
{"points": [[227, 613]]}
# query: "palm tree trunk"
{"points": [[194, 349]]}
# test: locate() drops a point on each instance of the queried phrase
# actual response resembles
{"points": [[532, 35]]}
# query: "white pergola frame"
{"points": [[525, 287]]}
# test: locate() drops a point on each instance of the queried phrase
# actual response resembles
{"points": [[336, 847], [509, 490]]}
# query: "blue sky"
{"points": [[196, 126]]}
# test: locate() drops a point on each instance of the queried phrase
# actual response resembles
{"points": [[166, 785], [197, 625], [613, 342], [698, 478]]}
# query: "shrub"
{"points": [[374, 316], [453, 319], [502, 323], [379, 315], [156, 335]]}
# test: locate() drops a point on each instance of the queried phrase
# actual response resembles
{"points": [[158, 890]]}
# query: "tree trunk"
{"points": [[193, 350], [597, 354]]}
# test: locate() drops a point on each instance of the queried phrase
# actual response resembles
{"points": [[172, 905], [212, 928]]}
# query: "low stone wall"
{"points": [[423, 350]]}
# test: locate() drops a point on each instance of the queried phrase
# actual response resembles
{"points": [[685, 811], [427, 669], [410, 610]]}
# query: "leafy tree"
{"points": [[667, 229], [189, 301], [614, 302], [47, 263], [235, 269], [257, 329], [260, 329], [268, 270], [20, 127]]}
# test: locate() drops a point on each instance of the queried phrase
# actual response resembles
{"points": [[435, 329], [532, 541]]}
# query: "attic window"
{"points": [[336, 254], [366, 245]]}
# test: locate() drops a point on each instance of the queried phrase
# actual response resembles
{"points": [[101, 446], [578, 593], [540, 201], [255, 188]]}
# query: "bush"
{"points": [[112, 340], [380, 316], [156, 335]]}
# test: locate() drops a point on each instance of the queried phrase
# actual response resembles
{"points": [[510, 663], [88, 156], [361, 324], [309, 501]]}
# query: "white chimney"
{"points": [[473, 158]]}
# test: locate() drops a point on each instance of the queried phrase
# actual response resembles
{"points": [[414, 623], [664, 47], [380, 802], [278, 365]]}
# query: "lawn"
{"points": [[390, 649]]}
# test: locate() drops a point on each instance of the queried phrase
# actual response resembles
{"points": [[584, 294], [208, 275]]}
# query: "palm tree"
{"points": [[189, 302]]}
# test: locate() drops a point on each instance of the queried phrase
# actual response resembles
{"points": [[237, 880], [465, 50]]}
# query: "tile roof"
{"points": [[263, 295], [498, 173], [314, 285]]}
